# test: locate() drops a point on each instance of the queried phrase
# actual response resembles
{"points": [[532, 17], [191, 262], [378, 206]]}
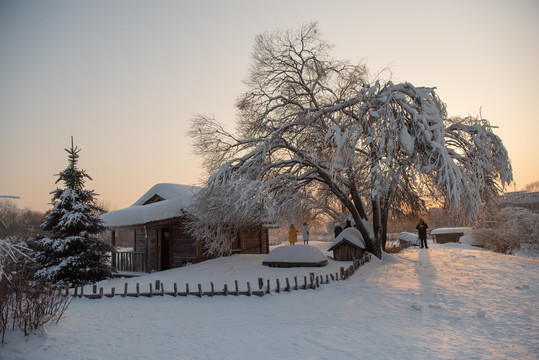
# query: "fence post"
{"points": [[278, 289], [138, 290], [112, 292], [212, 289], [248, 289], [157, 284], [186, 289], [287, 285], [237, 289], [151, 290], [225, 290], [175, 289], [199, 290], [260, 283], [268, 289], [125, 290], [295, 282]]}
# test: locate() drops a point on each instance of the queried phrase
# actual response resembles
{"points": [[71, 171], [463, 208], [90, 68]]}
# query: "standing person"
{"points": [[422, 232], [305, 234], [337, 230], [292, 235]]}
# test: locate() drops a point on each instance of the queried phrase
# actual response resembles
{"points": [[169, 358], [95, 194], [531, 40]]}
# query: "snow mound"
{"points": [[350, 235], [470, 240], [408, 237], [295, 255]]}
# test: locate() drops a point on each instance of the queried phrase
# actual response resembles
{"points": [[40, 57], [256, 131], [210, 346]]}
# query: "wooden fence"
{"points": [[129, 261], [264, 286]]}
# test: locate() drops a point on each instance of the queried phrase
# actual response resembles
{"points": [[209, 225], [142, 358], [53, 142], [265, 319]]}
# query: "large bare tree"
{"points": [[309, 125]]}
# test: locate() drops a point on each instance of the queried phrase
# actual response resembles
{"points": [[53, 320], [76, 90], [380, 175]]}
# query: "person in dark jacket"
{"points": [[422, 233]]}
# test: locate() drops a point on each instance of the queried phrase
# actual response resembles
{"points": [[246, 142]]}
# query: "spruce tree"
{"points": [[73, 253]]}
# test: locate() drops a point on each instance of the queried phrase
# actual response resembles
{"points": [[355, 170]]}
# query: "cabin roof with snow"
{"points": [[351, 236], [451, 230], [163, 201]]}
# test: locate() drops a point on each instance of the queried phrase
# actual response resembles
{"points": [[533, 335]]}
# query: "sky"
{"points": [[124, 78]]}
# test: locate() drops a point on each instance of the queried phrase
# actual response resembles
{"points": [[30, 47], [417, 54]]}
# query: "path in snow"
{"points": [[452, 301]]}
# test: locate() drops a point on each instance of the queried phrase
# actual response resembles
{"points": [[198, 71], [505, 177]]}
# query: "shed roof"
{"points": [[451, 230], [349, 235], [176, 198]]}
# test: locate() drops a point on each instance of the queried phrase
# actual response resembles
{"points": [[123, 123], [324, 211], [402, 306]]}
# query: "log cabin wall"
{"points": [[254, 240], [182, 244], [346, 252]]}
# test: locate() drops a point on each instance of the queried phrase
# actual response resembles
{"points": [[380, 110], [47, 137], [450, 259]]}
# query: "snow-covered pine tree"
{"points": [[73, 253]]}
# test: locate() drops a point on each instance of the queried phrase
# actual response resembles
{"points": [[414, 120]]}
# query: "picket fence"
{"points": [[264, 287]]}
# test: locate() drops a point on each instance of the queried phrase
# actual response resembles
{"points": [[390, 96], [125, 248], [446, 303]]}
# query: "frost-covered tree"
{"points": [[73, 253], [309, 124]]}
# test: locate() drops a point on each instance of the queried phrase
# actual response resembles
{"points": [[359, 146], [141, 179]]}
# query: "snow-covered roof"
{"points": [[176, 197], [295, 255], [451, 230], [169, 191], [350, 235]]}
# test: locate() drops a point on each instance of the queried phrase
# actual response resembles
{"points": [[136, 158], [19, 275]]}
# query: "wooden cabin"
{"points": [[154, 237], [449, 234], [349, 244]]}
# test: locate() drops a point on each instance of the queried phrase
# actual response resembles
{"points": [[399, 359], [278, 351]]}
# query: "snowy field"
{"points": [[451, 301]]}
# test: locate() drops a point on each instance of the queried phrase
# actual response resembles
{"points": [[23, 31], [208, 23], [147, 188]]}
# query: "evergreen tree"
{"points": [[73, 253]]}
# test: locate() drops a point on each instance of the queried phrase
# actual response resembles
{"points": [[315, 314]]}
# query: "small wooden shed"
{"points": [[449, 234], [153, 231], [349, 244]]}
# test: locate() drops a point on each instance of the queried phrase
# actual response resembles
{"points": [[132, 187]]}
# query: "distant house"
{"points": [[154, 232], [524, 199], [449, 234], [349, 244]]}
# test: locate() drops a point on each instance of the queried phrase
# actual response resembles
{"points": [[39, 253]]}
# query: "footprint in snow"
{"points": [[416, 307], [481, 313], [523, 287]]}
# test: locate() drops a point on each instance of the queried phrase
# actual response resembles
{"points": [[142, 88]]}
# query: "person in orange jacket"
{"points": [[292, 235]]}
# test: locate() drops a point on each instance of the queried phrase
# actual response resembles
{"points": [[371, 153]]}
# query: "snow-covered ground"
{"points": [[451, 301]]}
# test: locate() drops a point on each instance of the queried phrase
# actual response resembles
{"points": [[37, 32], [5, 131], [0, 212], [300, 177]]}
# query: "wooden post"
{"points": [[125, 290], [305, 282], [100, 292], [312, 280], [212, 289], [260, 283], [186, 289], [138, 290], [157, 284], [327, 279], [66, 289], [76, 291], [317, 282], [268, 289], [151, 290], [332, 278], [287, 285], [225, 289], [199, 290], [81, 291], [162, 289], [295, 282], [175, 289], [95, 289], [237, 289], [248, 289], [278, 289]]}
